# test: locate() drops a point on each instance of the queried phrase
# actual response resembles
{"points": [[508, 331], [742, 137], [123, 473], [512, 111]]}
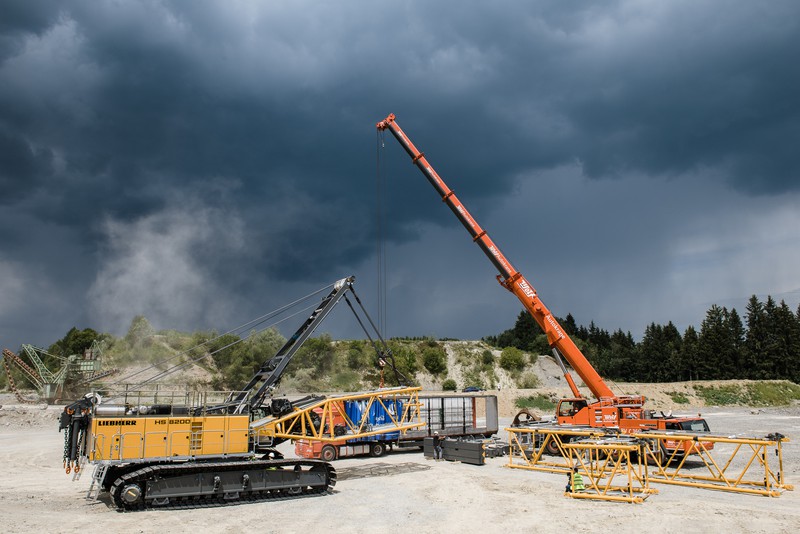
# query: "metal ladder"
{"points": [[98, 475]]}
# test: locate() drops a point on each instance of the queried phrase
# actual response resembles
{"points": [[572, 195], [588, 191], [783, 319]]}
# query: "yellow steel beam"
{"points": [[300, 425], [745, 468]]}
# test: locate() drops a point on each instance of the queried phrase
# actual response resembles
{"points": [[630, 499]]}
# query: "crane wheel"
{"points": [[328, 453], [552, 447]]}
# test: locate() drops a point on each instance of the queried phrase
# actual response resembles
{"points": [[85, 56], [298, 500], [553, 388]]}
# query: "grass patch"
{"points": [[528, 381], [772, 393], [722, 395], [347, 380], [755, 394], [464, 355], [678, 397], [539, 401]]}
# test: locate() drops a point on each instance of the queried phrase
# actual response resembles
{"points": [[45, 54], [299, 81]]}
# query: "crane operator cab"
{"points": [[570, 407]]}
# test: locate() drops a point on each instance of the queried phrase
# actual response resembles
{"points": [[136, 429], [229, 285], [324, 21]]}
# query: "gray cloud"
{"points": [[119, 118], [162, 265]]}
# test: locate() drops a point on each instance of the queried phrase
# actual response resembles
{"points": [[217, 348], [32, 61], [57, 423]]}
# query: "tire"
{"points": [[377, 449], [328, 453], [671, 455], [552, 447]]}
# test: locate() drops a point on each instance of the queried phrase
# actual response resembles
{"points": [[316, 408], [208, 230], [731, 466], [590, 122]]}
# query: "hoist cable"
{"points": [[253, 323], [177, 368], [380, 180], [387, 352]]}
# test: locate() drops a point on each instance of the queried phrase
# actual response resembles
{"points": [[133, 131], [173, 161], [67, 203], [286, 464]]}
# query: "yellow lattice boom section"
{"points": [[327, 420]]}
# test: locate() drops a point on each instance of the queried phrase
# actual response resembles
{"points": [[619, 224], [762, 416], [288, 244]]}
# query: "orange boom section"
{"points": [[509, 277]]}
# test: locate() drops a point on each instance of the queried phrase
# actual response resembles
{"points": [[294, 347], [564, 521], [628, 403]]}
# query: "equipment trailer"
{"points": [[452, 416]]}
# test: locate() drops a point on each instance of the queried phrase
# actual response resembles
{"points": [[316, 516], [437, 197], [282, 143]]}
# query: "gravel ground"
{"points": [[397, 491]]}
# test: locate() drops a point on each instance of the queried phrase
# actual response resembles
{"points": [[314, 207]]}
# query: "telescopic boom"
{"points": [[509, 277]]}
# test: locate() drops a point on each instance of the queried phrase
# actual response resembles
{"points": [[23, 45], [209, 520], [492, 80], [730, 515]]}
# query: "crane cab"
{"points": [[578, 411]]}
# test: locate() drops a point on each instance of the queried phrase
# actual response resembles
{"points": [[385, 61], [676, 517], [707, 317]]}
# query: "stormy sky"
{"points": [[202, 162]]}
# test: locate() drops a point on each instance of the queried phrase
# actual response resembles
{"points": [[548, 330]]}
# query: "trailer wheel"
{"points": [[552, 447], [328, 453], [377, 449]]}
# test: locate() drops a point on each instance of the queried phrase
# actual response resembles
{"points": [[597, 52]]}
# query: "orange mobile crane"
{"points": [[625, 412]]}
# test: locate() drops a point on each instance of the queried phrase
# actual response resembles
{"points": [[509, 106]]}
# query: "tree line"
{"points": [[764, 345]]}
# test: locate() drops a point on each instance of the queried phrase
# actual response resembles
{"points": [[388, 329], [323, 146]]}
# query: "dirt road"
{"points": [[402, 491]]}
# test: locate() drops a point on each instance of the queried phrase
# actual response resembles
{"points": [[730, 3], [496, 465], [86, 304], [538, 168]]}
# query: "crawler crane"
{"points": [[166, 453], [625, 412]]}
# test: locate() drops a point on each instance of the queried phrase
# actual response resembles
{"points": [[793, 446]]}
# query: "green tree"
{"points": [[570, 327], [449, 385], [618, 361], [522, 335], [238, 359], [652, 354], [754, 364], [356, 359], [773, 350], [434, 360], [686, 369], [721, 337], [140, 333], [512, 359], [74, 342], [658, 353], [316, 353], [737, 333], [787, 331], [406, 361]]}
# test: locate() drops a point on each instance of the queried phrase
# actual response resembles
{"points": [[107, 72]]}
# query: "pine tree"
{"points": [[754, 365], [794, 367], [618, 359], [570, 327], [773, 349], [687, 368], [714, 344], [736, 333], [651, 354], [788, 334], [674, 342]]}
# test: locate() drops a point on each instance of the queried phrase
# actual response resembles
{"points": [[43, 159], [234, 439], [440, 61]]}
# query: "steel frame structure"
{"points": [[735, 464], [316, 420]]}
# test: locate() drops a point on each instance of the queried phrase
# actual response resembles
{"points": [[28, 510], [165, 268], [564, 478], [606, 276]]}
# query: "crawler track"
{"points": [[220, 483]]}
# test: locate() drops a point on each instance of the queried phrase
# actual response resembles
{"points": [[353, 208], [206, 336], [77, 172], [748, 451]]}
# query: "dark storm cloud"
{"points": [[20, 18], [706, 87], [21, 167], [115, 115]]}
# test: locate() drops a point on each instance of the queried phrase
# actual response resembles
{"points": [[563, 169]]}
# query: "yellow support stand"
{"points": [[611, 469]]}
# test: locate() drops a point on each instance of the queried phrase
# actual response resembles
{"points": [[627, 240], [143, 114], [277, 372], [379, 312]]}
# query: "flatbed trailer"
{"points": [[452, 416]]}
